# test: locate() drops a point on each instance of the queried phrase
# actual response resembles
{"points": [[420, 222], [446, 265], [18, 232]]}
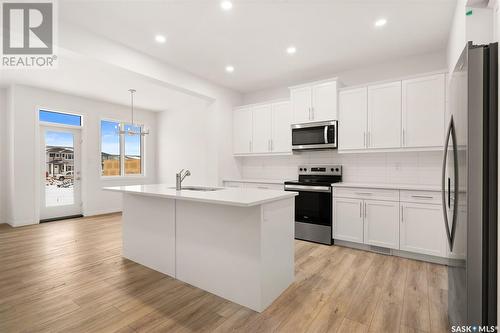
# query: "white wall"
{"points": [[392, 69], [3, 153], [23, 170]]}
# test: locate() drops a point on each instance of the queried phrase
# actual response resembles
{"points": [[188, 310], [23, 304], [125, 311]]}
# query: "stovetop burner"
{"points": [[318, 175]]}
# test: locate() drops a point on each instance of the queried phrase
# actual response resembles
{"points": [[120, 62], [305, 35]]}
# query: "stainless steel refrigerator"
{"points": [[469, 187]]}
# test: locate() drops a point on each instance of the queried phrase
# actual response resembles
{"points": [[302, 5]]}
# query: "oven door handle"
{"points": [[324, 189]]}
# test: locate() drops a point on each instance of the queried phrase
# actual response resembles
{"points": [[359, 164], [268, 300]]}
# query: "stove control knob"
{"points": [[300, 169], [305, 169], [331, 169], [337, 169]]}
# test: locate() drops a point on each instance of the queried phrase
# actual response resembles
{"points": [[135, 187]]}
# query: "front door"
{"points": [[60, 172]]}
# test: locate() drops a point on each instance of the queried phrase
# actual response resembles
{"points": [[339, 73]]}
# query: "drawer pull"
{"points": [[364, 193], [422, 196]]}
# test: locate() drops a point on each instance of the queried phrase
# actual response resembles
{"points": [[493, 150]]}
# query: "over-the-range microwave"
{"points": [[319, 135]]}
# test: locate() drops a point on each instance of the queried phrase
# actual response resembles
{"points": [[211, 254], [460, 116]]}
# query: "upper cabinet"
{"points": [[242, 130], [353, 118], [262, 129], [406, 114], [384, 115], [423, 111], [314, 102]]}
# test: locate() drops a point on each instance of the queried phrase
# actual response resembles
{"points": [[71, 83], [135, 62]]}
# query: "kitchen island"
{"points": [[236, 243]]}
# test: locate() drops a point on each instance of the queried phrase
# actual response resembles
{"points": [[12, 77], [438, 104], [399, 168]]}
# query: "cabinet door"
{"points": [[281, 141], [352, 119], [301, 104], [381, 223], [261, 129], [324, 101], [423, 111], [422, 229], [348, 220], [242, 131], [384, 116]]}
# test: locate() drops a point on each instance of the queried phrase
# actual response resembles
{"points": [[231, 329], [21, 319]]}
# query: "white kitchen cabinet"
{"points": [[324, 101], [242, 131], [314, 102], [301, 104], [381, 223], [422, 229], [384, 116], [348, 220], [423, 106], [262, 128], [281, 141], [353, 114]]}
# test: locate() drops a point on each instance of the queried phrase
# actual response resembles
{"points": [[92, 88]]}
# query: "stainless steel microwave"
{"points": [[319, 135]]}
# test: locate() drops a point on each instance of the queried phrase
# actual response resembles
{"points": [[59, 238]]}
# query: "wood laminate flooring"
{"points": [[69, 276]]}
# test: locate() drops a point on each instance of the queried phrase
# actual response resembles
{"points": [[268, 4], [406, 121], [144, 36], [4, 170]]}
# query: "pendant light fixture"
{"points": [[130, 131]]}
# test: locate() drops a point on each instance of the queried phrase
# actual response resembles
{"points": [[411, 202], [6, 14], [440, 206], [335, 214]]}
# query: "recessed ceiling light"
{"points": [[229, 69], [160, 38], [380, 22], [226, 5], [291, 50]]}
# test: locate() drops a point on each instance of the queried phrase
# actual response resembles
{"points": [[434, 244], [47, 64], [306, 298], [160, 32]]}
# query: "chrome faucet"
{"points": [[179, 177]]}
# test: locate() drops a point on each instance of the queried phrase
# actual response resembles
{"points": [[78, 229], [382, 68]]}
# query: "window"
{"points": [[121, 154], [60, 118]]}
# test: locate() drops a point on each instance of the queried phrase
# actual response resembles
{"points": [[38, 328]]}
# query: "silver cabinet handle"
{"points": [[402, 214], [363, 193], [360, 209], [309, 113], [365, 210], [250, 145], [422, 196], [312, 113]]}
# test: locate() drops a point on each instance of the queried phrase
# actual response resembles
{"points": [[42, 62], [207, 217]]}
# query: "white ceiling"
{"points": [[330, 36]]}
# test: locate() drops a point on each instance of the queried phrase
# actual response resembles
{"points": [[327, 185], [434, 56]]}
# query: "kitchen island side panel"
{"points": [[149, 232]]}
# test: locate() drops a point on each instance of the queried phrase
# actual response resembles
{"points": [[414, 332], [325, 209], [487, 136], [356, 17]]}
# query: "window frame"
{"points": [[123, 175]]}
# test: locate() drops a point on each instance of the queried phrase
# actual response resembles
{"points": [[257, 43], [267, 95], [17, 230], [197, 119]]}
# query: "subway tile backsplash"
{"points": [[398, 167]]}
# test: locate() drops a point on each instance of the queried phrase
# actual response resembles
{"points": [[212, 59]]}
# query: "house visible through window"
{"points": [[121, 154]]}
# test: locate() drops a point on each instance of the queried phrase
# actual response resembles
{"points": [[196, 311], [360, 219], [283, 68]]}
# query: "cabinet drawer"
{"points": [[429, 197], [234, 184], [367, 193]]}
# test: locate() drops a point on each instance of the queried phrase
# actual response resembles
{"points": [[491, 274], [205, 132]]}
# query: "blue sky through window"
{"points": [[60, 118], [132, 142], [110, 139], [59, 139]]}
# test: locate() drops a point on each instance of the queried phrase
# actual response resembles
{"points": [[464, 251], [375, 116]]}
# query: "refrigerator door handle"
{"points": [[443, 183]]}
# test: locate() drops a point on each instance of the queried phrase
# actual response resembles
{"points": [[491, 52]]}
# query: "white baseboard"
{"points": [[102, 211], [21, 223]]}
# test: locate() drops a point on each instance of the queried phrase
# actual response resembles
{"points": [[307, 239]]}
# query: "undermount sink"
{"points": [[199, 188]]}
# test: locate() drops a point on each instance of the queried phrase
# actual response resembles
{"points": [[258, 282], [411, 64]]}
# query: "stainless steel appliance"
{"points": [[313, 205], [319, 135], [470, 188]]}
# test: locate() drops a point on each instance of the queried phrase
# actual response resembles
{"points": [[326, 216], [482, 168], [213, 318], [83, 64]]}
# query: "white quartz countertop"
{"points": [[261, 181], [410, 187], [243, 197]]}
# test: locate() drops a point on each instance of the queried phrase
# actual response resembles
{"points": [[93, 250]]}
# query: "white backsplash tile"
{"points": [[407, 167]]}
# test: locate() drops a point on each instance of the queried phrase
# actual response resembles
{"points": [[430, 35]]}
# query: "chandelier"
{"points": [[130, 131]]}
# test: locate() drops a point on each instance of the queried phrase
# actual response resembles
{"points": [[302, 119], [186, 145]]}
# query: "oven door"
{"points": [[314, 136], [313, 204]]}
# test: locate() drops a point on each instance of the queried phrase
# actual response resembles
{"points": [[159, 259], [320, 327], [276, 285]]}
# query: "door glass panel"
{"points": [[59, 168], [132, 151], [313, 207]]}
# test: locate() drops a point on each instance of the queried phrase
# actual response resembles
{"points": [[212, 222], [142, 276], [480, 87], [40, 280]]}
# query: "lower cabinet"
{"points": [[348, 220], [410, 221], [367, 221], [382, 223], [422, 229]]}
